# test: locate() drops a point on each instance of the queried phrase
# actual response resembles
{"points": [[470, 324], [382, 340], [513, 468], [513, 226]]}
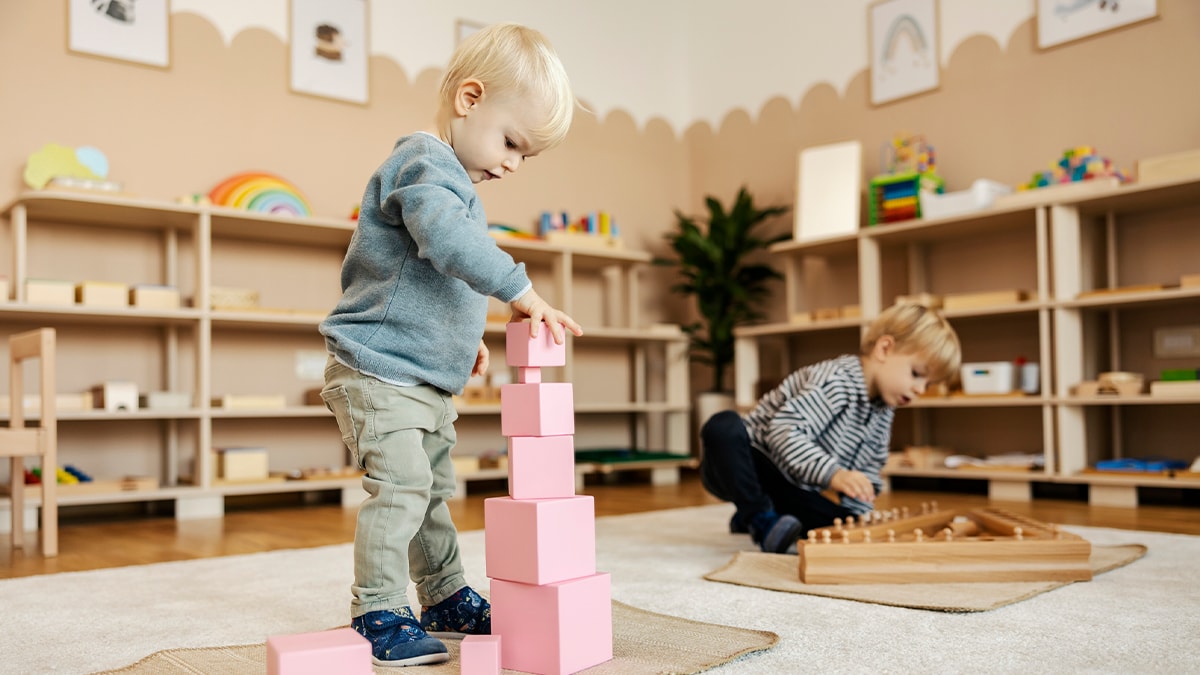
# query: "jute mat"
{"points": [[643, 642], [781, 573]]}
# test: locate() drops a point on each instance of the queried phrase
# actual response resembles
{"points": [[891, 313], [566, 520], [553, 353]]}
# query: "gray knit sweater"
{"points": [[418, 272]]}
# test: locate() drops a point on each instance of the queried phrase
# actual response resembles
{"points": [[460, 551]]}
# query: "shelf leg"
{"points": [[1010, 491], [196, 508], [353, 496], [664, 476], [30, 520], [1124, 496]]}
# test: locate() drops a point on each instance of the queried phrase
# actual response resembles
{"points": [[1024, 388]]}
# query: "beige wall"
{"points": [[220, 109]]}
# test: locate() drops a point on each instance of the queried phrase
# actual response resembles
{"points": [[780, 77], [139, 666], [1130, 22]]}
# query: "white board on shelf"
{"points": [[827, 196]]}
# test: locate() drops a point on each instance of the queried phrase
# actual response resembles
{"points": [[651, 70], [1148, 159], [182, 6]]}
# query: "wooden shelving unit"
{"points": [[1054, 250], [294, 263]]}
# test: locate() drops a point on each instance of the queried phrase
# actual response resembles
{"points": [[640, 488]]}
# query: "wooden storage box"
{"points": [[147, 296], [102, 294], [116, 396], [242, 464], [165, 400], [49, 292]]}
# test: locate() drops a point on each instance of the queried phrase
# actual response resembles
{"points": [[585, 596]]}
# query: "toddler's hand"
{"points": [[853, 484], [533, 307], [482, 359]]}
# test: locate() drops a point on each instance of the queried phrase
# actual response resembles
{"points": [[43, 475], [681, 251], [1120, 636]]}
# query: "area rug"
{"points": [[1139, 618], [781, 573], [643, 642]]}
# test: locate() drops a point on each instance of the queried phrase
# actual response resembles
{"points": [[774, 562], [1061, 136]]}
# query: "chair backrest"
{"points": [[35, 344]]}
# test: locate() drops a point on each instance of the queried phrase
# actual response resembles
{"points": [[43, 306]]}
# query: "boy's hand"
{"points": [[533, 307], [853, 484], [482, 358]]}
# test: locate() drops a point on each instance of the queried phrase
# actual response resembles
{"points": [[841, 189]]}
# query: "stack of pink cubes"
{"points": [[550, 608]]}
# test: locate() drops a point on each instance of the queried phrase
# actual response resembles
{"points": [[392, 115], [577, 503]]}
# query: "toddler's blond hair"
{"points": [[918, 329], [512, 60]]}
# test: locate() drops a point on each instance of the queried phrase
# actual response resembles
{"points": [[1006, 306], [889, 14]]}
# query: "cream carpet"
{"points": [[1143, 617]]}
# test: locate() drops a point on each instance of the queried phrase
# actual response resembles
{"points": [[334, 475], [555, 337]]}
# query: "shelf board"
{"points": [[239, 224], [540, 252], [632, 335], [1107, 300], [843, 245], [300, 320], [955, 227], [1128, 480], [787, 328], [105, 210], [83, 314], [996, 310], [982, 473], [271, 413], [33, 496], [978, 402], [587, 408], [1141, 399], [1134, 197]]}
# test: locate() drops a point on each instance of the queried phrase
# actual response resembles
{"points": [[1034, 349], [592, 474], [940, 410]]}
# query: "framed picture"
{"points": [[1060, 21], [129, 30], [464, 29], [903, 38], [329, 49]]}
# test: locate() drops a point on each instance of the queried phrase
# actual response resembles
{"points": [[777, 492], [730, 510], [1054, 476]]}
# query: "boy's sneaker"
{"points": [[397, 639], [464, 613], [737, 525], [775, 533]]}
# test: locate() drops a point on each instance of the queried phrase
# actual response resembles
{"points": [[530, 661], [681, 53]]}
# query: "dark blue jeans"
{"points": [[732, 470]]}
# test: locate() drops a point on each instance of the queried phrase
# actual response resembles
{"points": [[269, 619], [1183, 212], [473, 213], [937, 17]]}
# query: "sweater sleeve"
{"points": [[433, 199]]}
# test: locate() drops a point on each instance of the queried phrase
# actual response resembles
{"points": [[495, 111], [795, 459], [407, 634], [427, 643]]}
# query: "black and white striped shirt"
{"points": [[820, 420]]}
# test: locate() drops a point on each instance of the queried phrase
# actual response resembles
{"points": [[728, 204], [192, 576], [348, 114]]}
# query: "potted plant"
{"points": [[715, 263]]}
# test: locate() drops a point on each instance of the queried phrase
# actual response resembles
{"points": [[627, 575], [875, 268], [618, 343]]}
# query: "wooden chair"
{"points": [[18, 442]]}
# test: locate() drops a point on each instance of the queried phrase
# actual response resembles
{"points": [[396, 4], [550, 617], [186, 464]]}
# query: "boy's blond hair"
{"points": [[512, 60], [918, 329]]}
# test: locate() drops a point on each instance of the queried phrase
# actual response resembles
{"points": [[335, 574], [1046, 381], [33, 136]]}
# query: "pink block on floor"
{"points": [[542, 409], [479, 655], [555, 628], [539, 541], [330, 651], [541, 351], [541, 467]]}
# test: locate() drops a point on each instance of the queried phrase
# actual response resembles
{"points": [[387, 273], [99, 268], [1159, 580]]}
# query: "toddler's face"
{"points": [[902, 377], [492, 138]]}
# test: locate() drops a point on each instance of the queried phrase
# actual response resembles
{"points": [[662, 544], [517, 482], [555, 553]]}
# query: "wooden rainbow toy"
{"points": [[260, 192]]}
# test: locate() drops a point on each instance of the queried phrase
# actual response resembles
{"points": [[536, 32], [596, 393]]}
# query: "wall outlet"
{"points": [[1177, 342]]}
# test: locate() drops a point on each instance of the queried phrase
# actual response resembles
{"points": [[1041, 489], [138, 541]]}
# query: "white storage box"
{"points": [[991, 377], [981, 195]]}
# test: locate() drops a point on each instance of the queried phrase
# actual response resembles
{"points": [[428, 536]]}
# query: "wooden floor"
{"points": [[87, 542]]}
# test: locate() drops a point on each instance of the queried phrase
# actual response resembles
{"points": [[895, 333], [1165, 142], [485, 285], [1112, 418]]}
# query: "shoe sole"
{"points": [[790, 536], [414, 661]]}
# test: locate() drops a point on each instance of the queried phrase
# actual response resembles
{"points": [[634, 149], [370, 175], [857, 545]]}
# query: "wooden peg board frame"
{"points": [[982, 545]]}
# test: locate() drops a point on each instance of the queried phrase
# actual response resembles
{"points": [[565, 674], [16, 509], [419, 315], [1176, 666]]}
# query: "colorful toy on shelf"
{"points": [[897, 197], [909, 153], [911, 166], [59, 166], [498, 230], [595, 229], [1076, 164], [262, 193]]}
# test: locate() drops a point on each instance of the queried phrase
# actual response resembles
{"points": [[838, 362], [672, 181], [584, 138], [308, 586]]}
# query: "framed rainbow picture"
{"points": [[905, 59]]}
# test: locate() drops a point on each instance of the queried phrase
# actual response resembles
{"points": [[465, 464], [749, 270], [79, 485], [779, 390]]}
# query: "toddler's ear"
{"points": [[885, 345], [468, 95]]}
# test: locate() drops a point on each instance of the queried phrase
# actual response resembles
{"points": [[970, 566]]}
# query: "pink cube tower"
{"points": [[551, 609]]}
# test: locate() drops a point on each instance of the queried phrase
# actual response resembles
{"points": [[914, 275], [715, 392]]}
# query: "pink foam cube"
{"points": [[539, 541], [541, 351], [555, 628], [329, 651], [479, 655], [541, 409], [541, 467]]}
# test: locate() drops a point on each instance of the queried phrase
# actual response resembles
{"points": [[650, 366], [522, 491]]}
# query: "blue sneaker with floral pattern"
{"points": [[464, 613], [397, 639]]}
